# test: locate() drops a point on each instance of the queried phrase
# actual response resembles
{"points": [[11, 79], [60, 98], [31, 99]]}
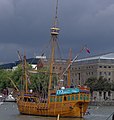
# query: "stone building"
{"points": [[101, 65], [97, 66]]}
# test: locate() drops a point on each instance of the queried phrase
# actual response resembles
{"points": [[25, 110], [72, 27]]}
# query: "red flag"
{"points": [[87, 50]]}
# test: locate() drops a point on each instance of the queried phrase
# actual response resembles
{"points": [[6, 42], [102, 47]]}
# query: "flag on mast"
{"points": [[87, 50]]}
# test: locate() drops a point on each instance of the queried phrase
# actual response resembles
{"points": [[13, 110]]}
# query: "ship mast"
{"points": [[54, 37], [69, 62], [24, 68], [25, 75]]}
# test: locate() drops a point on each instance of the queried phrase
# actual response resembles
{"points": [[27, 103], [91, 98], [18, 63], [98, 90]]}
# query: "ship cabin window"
{"points": [[76, 97], [60, 99], [68, 98], [53, 99], [72, 97], [57, 99], [65, 98], [87, 97], [81, 97]]}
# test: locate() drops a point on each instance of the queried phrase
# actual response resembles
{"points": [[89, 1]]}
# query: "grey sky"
{"points": [[25, 25]]}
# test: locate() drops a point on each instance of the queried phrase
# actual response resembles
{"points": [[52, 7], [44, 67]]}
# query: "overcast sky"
{"points": [[25, 25]]}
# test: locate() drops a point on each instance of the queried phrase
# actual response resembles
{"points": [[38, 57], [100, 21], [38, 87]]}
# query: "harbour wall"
{"points": [[101, 103]]}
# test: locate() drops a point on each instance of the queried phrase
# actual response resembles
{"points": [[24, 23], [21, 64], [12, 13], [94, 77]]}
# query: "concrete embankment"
{"points": [[100, 103]]}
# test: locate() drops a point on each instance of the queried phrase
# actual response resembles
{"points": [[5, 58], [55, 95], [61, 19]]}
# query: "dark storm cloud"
{"points": [[25, 24]]}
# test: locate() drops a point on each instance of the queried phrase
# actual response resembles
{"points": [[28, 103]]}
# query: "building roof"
{"points": [[108, 56]]}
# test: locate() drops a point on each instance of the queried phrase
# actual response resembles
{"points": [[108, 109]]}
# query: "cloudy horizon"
{"points": [[25, 26]]}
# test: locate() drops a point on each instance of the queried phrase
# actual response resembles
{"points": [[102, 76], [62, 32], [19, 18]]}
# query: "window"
{"points": [[64, 98], [104, 73], [60, 68], [51, 99], [68, 97], [100, 93], [72, 97], [57, 99], [81, 97], [100, 73], [109, 79], [60, 99], [76, 97], [109, 73]]}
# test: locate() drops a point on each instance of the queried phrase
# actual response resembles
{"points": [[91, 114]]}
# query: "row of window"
{"points": [[91, 67], [69, 98], [89, 73], [104, 66], [104, 73], [73, 68]]}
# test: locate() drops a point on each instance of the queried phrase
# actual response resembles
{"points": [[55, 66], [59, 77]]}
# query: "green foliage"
{"points": [[39, 82], [100, 84], [4, 81], [91, 82]]}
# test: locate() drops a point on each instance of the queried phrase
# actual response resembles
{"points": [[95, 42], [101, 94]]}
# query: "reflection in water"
{"points": [[9, 111]]}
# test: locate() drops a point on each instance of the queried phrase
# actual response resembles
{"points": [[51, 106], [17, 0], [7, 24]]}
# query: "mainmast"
{"points": [[24, 69], [54, 37]]}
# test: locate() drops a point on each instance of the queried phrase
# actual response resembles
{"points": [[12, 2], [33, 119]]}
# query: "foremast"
{"points": [[54, 36]]}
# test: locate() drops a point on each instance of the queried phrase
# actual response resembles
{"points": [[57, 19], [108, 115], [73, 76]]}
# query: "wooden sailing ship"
{"points": [[66, 101]]}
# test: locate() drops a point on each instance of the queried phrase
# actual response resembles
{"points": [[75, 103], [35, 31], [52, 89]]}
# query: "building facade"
{"points": [[102, 65]]}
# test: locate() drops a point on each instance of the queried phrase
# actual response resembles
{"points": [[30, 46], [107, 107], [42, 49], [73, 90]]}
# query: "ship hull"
{"points": [[75, 108]]}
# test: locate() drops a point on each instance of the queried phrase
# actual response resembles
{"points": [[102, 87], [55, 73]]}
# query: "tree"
{"points": [[4, 82], [100, 84], [91, 82]]}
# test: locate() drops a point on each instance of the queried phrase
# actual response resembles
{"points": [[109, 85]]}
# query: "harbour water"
{"points": [[9, 111]]}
